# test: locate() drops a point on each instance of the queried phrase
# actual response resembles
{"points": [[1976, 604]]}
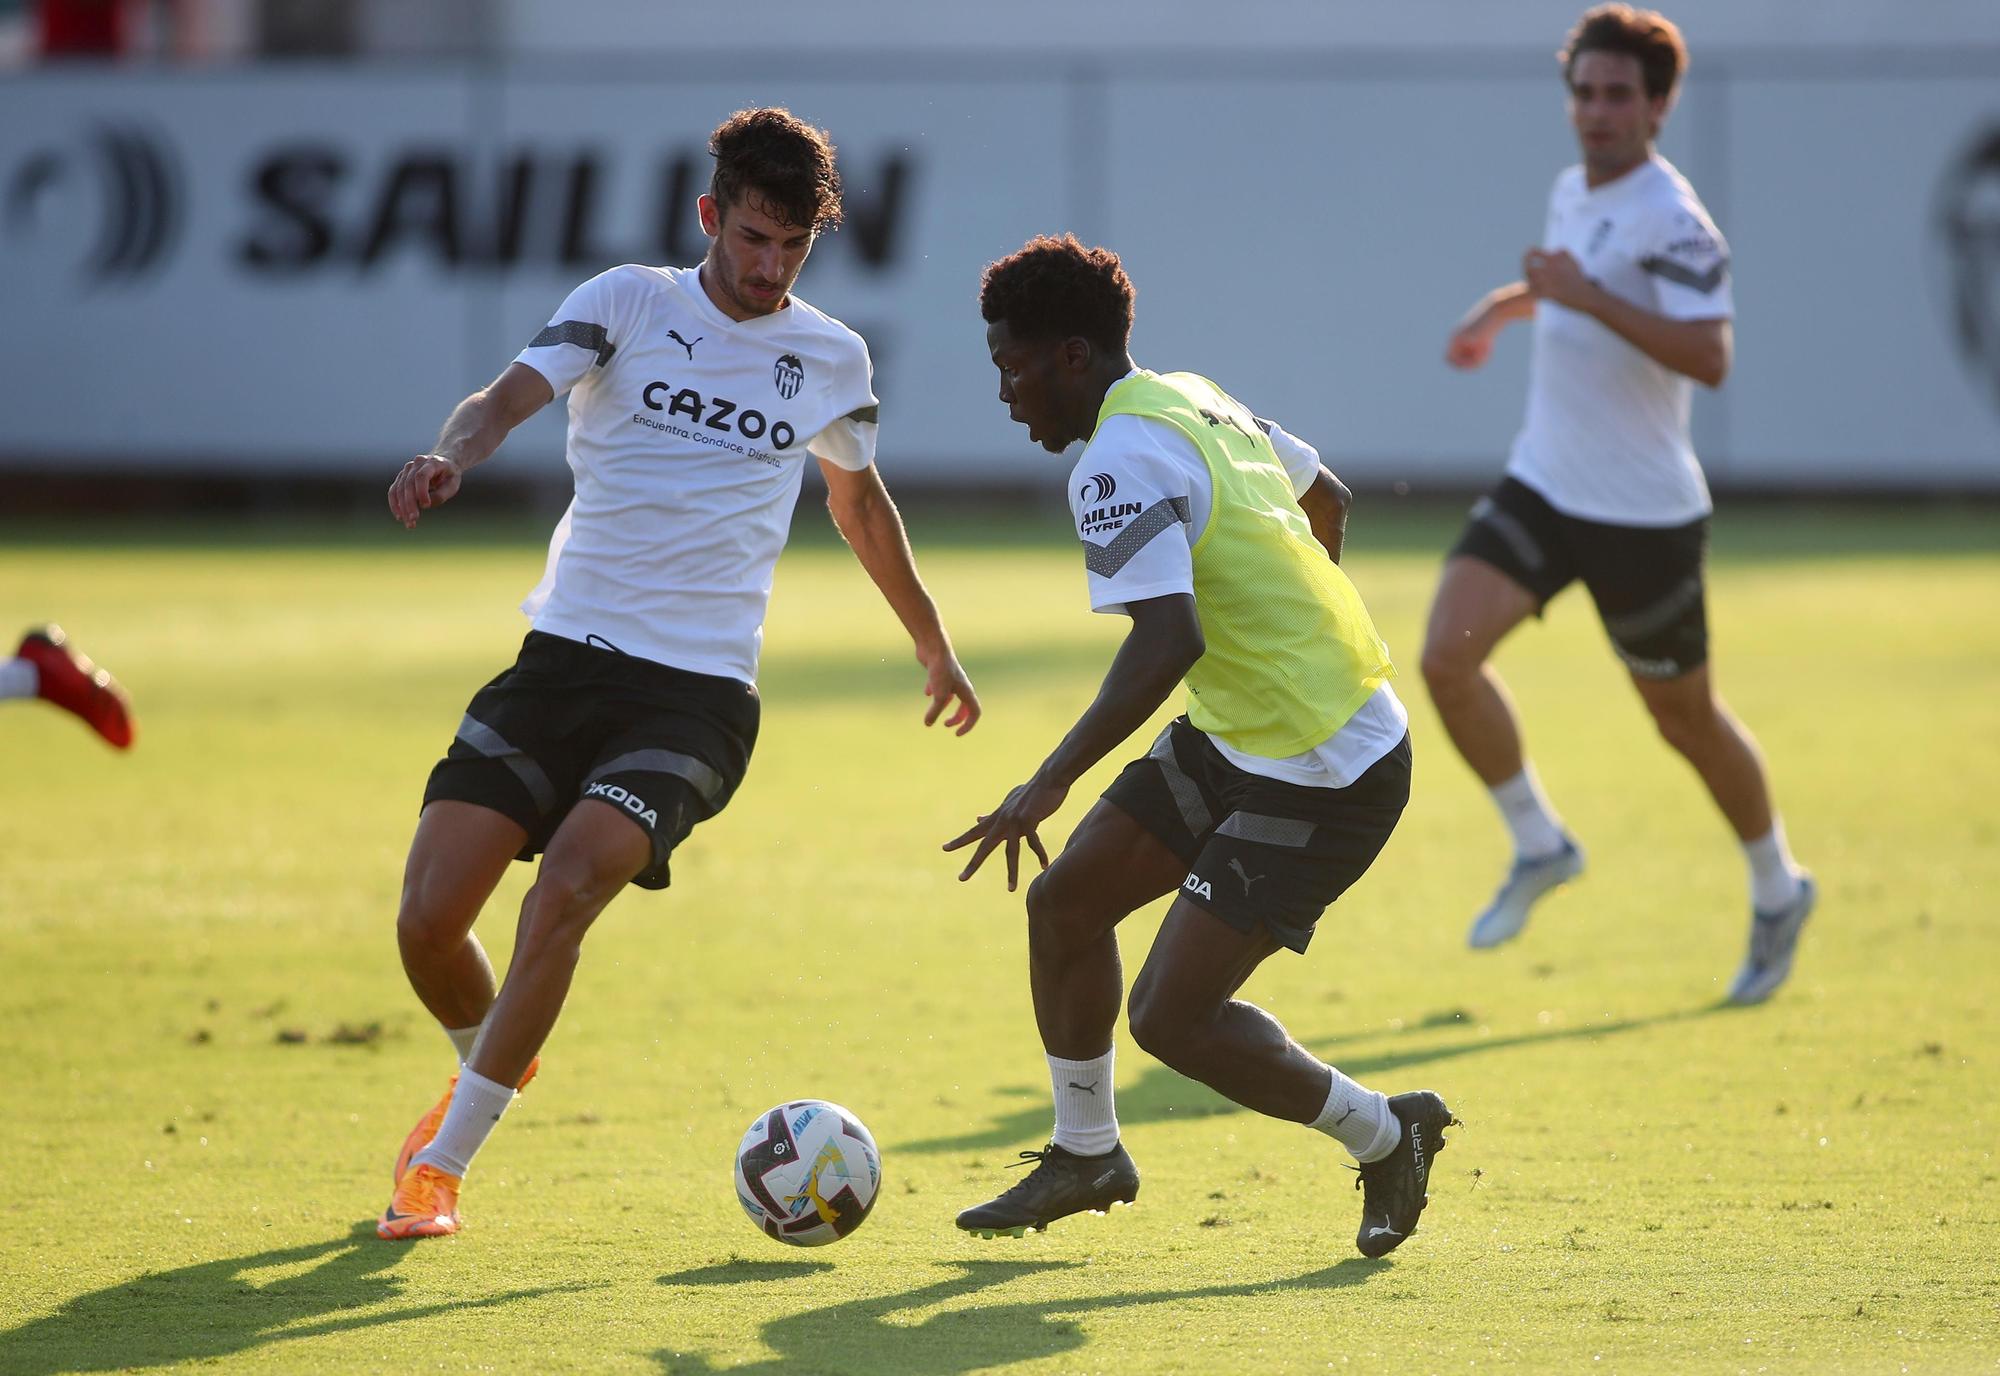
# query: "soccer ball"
{"points": [[807, 1172]]}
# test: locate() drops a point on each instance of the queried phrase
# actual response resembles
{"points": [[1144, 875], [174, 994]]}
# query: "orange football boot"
{"points": [[425, 1205], [428, 1125]]}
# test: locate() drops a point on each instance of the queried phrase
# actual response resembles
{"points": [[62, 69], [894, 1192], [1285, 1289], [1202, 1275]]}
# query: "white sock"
{"points": [[1086, 1119], [1537, 831], [463, 1040], [476, 1106], [1774, 875], [19, 678], [1359, 1119]]}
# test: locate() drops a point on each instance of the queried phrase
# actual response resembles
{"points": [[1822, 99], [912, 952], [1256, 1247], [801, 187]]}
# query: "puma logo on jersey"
{"points": [[687, 344], [1195, 884], [625, 798]]}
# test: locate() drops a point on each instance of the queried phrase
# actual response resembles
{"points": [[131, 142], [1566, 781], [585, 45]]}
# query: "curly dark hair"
{"points": [[1646, 35], [783, 161], [1057, 288]]}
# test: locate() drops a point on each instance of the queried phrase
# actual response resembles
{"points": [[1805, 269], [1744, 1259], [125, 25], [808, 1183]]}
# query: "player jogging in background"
{"points": [[1630, 297], [695, 395], [48, 667], [1219, 535]]}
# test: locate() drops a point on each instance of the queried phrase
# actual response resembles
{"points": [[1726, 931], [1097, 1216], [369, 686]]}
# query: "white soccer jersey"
{"points": [[1606, 434], [688, 433], [1132, 464]]}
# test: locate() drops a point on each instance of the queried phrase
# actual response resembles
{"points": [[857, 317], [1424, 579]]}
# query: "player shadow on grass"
{"points": [[214, 1309], [1161, 1095], [874, 1335]]}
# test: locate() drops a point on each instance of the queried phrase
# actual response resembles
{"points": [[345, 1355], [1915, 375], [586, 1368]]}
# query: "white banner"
{"points": [[303, 270]]}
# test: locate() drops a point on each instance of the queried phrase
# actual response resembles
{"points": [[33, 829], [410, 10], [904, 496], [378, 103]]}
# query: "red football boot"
{"points": [[73, 683]]}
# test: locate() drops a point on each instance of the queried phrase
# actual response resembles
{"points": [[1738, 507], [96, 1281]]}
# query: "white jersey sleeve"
{"points": [[1300, 459], [849, 440], [585, 331], [1688, 260], [1133, 498]]}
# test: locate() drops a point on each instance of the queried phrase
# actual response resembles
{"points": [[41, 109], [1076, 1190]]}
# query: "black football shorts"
{"points": [[1646, 580], [1260, 851], [571, 721]]}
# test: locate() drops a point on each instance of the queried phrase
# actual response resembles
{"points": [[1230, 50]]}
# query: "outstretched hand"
{"points": [[944, 680], [1013, 822], [427, 480]]}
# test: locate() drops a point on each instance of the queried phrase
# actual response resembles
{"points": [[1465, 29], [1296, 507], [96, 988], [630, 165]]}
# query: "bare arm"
{"points": [[1163, 644], [474, 430], [1471, 341], [1700, 349], [1326, 504], [867, 519]]}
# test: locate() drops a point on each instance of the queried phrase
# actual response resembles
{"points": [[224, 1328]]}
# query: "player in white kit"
{"points": [[1630, 297], [695, 395]]}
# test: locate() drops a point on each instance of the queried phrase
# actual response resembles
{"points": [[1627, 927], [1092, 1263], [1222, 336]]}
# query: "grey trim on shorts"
{"points": [[478, 736], [1187, 795], [1265, 830], [1652, 620], [1503, 524], [705, 780]]}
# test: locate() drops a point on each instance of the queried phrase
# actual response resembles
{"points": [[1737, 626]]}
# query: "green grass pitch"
{"points": [[211, 1055]]}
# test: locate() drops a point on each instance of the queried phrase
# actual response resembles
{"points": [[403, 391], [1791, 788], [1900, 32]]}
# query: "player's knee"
{"points": [[559, 908], [1446, 666], [1164, 1032], [1059, 918], [429, 922], [1689, 727], [1164, 1037], [421, 932]]}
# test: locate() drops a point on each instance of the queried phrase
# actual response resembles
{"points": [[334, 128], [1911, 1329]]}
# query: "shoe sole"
{"points": [[1023, 1229]]}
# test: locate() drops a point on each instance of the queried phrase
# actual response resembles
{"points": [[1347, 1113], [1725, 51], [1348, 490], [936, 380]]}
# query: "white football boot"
{"points": [[1527, 883], [1774, 940]]}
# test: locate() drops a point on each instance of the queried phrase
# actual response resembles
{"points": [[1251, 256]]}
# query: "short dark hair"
{"points": [[1054, 288], [1646, 35], [783, 161]]}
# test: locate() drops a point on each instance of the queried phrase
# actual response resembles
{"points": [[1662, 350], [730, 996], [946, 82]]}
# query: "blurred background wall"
{"points": [[261, 238]]}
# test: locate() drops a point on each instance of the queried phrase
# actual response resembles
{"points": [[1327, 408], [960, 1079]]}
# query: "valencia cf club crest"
{"points": [[789, 374]]}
